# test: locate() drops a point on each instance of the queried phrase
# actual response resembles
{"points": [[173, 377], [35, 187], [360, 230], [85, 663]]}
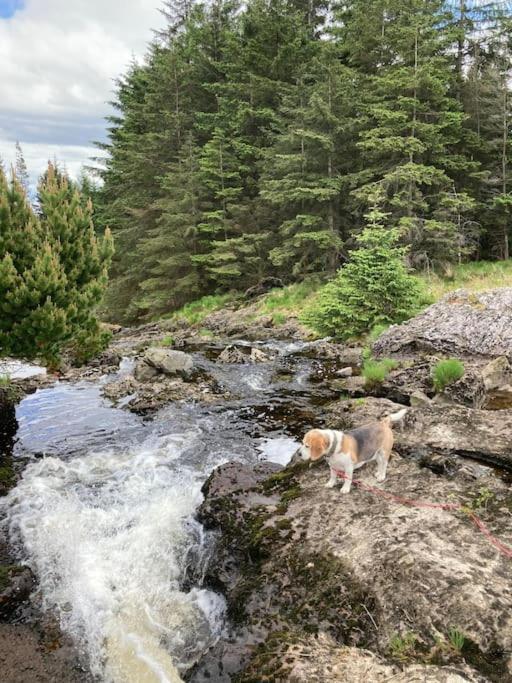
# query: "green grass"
{"points": [[403, 647], [447, 372], [196, 311], [279, 318], [167, 341], [376, 371], [456, 639], [5, 381], [291, 300], [475, 277]]}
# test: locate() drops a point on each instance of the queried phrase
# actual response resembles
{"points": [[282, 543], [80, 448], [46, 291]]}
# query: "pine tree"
{"points": [[414, 126], [169, 249], [20, 167], [53, 272], [302, 179], [374, 288]]}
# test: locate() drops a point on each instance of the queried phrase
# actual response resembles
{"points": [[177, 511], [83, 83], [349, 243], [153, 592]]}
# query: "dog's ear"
{"points": [[318, 443]]}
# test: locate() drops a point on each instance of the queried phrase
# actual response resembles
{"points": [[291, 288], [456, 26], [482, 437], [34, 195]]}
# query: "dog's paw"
{"points": [[381, 477], [344, 490], [330, 484]]}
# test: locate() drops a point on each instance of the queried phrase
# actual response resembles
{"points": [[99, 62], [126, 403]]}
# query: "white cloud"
{"points": [[59, 61]]}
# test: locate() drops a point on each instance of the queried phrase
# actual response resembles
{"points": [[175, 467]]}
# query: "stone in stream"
{"points": [[169, 361]]}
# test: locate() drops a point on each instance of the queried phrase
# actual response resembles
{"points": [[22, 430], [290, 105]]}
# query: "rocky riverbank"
{"points": [[319, 588], [363, 588]]}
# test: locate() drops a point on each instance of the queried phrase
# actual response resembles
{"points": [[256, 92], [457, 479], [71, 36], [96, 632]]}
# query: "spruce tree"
{"points": [[374, 288], [414, 126], [20, 167], [53, 272]]}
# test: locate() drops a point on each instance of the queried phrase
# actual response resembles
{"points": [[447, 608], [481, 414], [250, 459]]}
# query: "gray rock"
{"points": [[232, 354], [497, 380], [419, 398], [344, 372], [461, 324], [144, 372], [169, 361]]}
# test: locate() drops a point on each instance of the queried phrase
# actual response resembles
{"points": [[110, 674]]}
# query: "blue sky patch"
{"points": [[10, 7]]}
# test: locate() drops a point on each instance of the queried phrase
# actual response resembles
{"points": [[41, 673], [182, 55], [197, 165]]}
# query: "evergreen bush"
{"points": [[53, 271], [374, 288]]}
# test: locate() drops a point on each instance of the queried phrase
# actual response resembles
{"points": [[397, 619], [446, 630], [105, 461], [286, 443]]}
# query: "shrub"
{"points": [[53, 269], [374, 288], [447, 372], [375, 372]]}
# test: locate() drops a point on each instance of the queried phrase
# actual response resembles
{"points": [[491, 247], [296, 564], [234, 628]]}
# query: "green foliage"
{"points": [[53, 271], [447, 372], [456, 638], [376, 371], [403, 647], [167, 341], [252, 139], [196, 311], [374, 288]]}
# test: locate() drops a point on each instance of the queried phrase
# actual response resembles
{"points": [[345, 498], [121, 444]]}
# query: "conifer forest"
{"points": [[248, 143]]}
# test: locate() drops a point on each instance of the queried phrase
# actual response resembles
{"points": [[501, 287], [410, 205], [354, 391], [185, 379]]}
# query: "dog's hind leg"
{"points": [[382, 464]]}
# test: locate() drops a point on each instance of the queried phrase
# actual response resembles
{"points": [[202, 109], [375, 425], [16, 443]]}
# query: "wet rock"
{"points": [[16, 584], [461, 324], [169, 361], [119, 389], [353, 386], [144, 372], [258, 356], [318, 590], [147, 397], [232, 354]]}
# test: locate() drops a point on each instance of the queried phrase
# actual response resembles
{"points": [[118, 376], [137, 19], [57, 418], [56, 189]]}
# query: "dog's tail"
{"points": [[395, 417]]}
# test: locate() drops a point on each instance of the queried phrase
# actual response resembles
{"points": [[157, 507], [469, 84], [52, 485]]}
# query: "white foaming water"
{"points": [[278, 450], [108, 535]]}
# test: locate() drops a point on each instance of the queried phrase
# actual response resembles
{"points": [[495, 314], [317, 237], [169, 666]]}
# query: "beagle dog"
{"points": [[346, 452]]}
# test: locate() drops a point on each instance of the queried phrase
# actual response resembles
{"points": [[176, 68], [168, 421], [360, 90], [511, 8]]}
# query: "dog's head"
{"points": [[314, 445]]}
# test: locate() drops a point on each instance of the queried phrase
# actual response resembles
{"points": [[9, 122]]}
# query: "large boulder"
{"points": [[461, 324], [324, 589], [169, 361]]}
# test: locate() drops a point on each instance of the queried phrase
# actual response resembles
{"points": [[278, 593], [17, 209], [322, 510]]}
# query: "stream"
{"points": [[104, 511]]}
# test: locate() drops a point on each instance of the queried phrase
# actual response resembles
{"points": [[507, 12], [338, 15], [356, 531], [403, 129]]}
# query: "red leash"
{"points": [[503, 549]]}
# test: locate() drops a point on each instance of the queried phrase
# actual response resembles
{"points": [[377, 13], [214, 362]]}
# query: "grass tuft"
{"points": [[447, 372], [376, 371]]}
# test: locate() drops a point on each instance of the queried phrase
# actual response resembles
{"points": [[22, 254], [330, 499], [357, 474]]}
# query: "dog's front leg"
{"points": [[332, 480], [349, 471]]}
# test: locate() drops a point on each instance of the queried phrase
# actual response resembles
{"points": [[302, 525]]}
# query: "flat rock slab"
{"points": [[461, 324], [325, 582]]}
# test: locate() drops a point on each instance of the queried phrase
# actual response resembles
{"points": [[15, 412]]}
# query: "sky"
{"points": [[58, 63]]}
